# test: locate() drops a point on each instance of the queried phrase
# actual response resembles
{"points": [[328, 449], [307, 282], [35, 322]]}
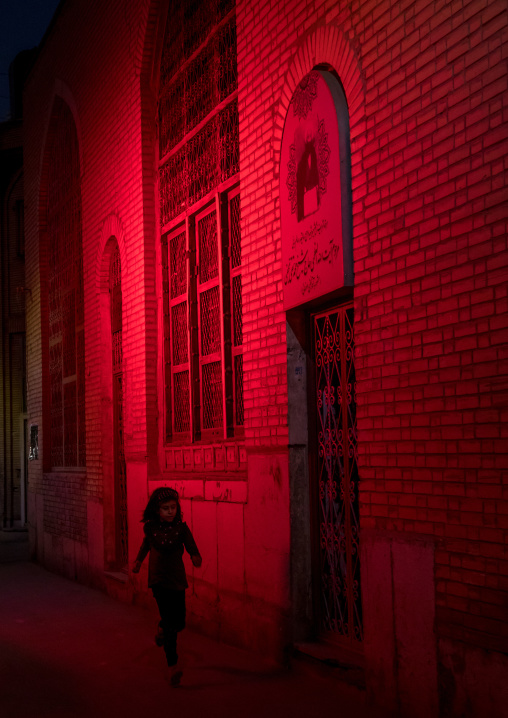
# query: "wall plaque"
{"points": [[315, 191]]}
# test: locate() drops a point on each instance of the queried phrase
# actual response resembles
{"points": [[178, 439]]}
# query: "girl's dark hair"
{"points": [[158, 497]]}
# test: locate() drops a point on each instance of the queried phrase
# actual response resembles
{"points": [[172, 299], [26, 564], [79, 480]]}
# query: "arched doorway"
{"points": [[119, 473], [315, 193], [112, 412]]}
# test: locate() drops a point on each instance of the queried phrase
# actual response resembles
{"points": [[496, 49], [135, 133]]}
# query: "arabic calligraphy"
{"points": [[307, 261], [310, 284], [309, 234]]}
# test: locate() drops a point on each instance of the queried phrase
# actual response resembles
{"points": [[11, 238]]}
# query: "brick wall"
{"points": [[427, 97], [97, 73], [428, 149]]}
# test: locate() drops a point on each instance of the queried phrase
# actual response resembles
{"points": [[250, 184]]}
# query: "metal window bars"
{"points": [[209, 321], [199, 157], [198, 111], [203, 325], [236, 306]]}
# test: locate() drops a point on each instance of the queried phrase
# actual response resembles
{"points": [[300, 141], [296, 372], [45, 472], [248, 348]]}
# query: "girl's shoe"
{"points": [[159, 637], [175, 676]]}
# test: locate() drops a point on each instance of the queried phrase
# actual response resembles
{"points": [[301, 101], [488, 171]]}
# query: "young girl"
{"points": [[166, 535]]}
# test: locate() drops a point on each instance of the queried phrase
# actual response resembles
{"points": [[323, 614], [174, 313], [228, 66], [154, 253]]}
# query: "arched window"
{"points": [[317, 256], [119, 472], [65, 296], [200, 218]]}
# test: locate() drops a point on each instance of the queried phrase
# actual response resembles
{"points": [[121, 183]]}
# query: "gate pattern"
{"points": [[337, 474], [120, 478]]}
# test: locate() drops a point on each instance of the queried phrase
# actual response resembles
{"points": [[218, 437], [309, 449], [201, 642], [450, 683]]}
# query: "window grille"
{"points": [[176, 334], [65, 298], [197, 106], [204, 374], [208, 259], [179, 333], [193, 83], [178, 266], [237, 311], [212, 395], [181, 401], [209, 322], [199, 163], [236, 247], [237, 307], [238, 369]]}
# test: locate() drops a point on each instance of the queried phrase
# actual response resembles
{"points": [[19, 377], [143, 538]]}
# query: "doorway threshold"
{"points": [[347, 665], [121, 576]]}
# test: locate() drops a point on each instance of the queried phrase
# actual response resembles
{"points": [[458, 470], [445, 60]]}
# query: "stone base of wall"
{"points": [[240, 621], [472, 681], [399, 611], [66, 557]]}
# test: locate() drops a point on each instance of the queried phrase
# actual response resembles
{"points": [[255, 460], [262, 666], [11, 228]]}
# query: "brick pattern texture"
{"points": [[429, 142], [426, 85]]}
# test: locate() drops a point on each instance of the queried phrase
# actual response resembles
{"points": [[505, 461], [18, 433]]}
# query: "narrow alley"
{"points": [[68, 651]]}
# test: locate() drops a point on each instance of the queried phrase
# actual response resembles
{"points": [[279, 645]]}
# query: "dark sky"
{"points": [[22, 26]]}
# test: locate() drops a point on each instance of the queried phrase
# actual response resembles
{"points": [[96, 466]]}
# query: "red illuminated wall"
{"points": [[116, 203], [426, 87]]}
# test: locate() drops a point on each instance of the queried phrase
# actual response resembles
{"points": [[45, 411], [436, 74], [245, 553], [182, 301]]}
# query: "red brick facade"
{"points": [[426, 87]]}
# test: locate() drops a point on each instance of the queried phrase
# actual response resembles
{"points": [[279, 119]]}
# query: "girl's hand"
{"points": [[136, 566], [197, 561]]}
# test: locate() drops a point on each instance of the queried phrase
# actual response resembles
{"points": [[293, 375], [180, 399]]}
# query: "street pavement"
{"points": [[69, 651]]}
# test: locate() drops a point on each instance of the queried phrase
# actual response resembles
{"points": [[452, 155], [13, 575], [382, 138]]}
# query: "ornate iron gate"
{"points": [[120, 478], [337, 475]]}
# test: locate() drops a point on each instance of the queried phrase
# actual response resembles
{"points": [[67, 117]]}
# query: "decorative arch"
{"points": [[62, 298], [151, 42], [328, 47], [325, 49], [109, 269], [111, 235], [61, 94]]}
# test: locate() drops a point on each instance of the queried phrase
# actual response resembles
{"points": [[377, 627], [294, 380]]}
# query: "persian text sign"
{"points": [[310, 194]]}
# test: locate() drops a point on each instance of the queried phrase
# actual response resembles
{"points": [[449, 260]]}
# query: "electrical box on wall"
{"points": [[34, 442]]}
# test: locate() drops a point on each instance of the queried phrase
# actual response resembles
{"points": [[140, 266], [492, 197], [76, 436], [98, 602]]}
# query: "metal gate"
{"points": [[337, 475], [120, 478]]}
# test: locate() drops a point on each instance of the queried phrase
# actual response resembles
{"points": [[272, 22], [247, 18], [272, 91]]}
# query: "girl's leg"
{"points": [[159, 636], [172, 612]]}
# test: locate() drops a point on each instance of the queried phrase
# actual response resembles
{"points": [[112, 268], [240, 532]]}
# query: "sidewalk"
{"points": [[14, 545], [67, 651]]}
